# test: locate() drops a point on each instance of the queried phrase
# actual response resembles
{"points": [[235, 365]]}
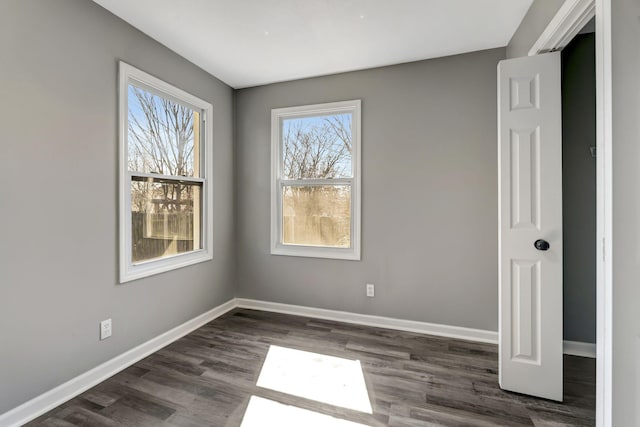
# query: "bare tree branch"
{"points": [[161, 140]]}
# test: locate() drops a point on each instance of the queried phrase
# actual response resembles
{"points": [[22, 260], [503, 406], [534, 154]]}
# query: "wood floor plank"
{"points": [[55, 422], [451, 417], [146, 385], [100, 398], [208, 377], [85, 418]]}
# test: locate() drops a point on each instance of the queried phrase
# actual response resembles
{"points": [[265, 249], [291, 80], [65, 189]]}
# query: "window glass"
{"points": [[317, 147], [317, 215]]}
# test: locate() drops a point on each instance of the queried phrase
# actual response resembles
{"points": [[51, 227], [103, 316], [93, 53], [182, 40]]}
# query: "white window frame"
{"points": [[129, 270], [277, 181]]}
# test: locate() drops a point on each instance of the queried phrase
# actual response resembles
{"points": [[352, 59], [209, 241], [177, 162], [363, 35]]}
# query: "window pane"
{"points": [[163, 136], [317, 147], [317, 215], [165, 218]]}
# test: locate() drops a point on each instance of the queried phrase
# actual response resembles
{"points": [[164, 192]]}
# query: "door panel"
{"points": [[530, 195], [525, 178], [525, 306]]}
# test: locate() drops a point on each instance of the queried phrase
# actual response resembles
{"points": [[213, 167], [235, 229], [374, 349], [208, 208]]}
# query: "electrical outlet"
{"points": [[105, 329], [371, 291]]}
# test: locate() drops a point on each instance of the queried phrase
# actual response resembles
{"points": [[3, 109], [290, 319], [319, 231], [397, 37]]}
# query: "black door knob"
{"points": [[541, 245]]}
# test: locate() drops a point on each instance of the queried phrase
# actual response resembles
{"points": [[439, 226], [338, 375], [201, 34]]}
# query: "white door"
{"points": [[530, 225]]}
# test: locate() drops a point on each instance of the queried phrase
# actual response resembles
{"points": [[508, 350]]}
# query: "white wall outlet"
{"points": [[371, 290], [105, 329]]}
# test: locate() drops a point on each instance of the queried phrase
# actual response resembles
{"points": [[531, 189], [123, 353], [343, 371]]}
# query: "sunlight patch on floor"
{"points": [[263, 412], [327, 379]]}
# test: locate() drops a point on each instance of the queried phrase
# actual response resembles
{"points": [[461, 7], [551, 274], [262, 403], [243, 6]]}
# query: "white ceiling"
{"points": [[253, 42]]}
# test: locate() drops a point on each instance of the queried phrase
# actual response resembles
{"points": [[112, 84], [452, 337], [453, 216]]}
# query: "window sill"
{"points": [[152, 267], [350, 254]]}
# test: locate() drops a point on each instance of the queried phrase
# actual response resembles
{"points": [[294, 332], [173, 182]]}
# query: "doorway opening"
{"points": [[579, 211], [531, 94], [579, 192]]}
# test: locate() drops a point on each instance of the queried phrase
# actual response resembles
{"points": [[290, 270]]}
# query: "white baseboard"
{"points": [[56, 396], [458, 332], [573, 348], [584, 349]]}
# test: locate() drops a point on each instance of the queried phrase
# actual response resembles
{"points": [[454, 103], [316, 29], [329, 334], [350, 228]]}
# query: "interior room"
{"points": [[330, 212]]}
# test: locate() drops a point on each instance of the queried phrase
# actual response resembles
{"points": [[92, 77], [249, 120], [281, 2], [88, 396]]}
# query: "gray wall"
{"points": [[429, 194], [579, 188], [535, 21], [58, 198], [626, 212]]}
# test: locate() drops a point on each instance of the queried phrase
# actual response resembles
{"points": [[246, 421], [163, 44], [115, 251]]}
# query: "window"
{"points": [[315, 184], [165, 176]]}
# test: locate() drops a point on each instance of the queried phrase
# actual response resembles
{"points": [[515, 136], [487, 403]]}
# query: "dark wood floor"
{"points": [[208, 377]]}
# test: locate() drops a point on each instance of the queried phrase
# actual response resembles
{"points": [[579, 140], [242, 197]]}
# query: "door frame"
{"points": [[567, 22]]}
